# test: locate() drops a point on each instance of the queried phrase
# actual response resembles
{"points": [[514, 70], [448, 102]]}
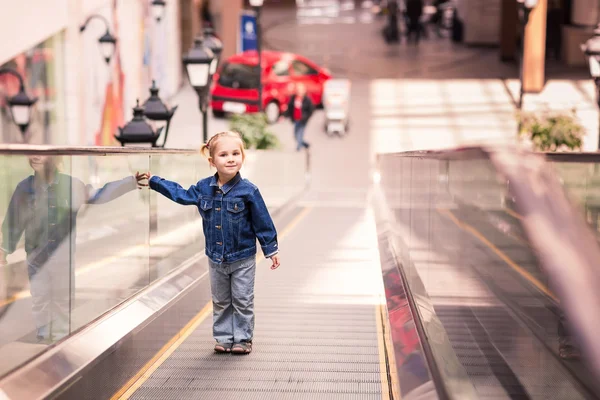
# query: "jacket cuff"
{"points": [[153, 182], [270, 250], [271, 255]]}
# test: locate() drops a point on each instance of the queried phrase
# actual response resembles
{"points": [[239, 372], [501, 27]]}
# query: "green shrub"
{"points": [[254, 131], [552, 131]]}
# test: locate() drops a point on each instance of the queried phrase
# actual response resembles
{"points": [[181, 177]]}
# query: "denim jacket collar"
{"points": [[229, 185]]}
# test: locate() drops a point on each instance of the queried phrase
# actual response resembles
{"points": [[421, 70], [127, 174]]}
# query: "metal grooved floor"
{"points": [[316, 333]]}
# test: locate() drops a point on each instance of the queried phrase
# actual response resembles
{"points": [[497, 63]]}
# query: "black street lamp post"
{"points": [[215, 45], [107, 41], [137, 130], [525, 8], [591, 49], [19, 104], [158, 9], [197, 63], [156, 110], [257, 4]]}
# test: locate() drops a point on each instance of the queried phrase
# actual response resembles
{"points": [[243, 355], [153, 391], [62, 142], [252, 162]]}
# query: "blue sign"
{"points": [[248, 36]]}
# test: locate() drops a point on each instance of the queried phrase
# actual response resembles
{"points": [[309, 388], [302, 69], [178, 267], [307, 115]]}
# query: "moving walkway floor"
{"points": [[316, 335], [494, 303], [319, 335]]}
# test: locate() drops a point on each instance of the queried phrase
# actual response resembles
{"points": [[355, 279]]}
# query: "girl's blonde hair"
{"points": [[208, 149]]}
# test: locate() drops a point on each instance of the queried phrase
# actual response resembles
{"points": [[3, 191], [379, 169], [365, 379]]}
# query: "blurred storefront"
{"points": [[42, 67]]}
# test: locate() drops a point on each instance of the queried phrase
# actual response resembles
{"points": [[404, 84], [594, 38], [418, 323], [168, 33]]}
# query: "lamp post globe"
{"points": [[256, 3], [20, 104], [215, 45], [156, 110], [107, 46], [107, 41], [197, 65], [20, 109], [591, 49], [158, 9], [138, 131]]}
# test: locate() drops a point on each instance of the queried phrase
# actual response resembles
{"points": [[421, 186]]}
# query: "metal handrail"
{"points": [[565, 245], [481, 152], [26, 149]]}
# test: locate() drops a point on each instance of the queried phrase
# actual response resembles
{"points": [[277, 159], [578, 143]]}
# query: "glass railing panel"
{"points": [[80, 237], [177, 230], [581, 180], [111, 232], [278, 175], [37, 209], [491, 313]]}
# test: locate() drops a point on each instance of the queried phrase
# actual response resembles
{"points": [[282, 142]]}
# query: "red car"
{"points": [[235, 85]]}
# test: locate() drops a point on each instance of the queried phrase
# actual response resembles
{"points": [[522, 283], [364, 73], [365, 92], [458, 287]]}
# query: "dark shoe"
{"points": [[242, 348], [222, 347], [306, 145]]}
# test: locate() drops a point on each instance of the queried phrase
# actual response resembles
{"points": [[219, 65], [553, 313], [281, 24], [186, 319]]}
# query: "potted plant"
{"points": [[253, 128], [551, 131]]}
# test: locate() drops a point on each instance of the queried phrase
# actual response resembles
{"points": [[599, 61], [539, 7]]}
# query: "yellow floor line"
{"points": [[391, 355], [499, 253], [385, 392], [295, 222], [513, 213], [148, 369]]}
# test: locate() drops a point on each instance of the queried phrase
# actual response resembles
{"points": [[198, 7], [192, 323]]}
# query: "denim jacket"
{"points": [[233, 216]]}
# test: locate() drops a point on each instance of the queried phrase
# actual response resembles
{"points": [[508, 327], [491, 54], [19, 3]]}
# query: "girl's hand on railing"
{"points": [[141, 177]]}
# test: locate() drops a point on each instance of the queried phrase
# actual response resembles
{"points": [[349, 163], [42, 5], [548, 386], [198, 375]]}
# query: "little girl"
{"points": [[234, 215]]}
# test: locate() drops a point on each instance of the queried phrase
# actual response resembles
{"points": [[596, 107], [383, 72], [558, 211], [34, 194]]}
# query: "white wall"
{"points": [[27, 23], [85, 74]]}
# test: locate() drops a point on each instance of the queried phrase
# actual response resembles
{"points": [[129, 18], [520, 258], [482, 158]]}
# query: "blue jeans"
{"points": [[299, 134], [232, 287]]}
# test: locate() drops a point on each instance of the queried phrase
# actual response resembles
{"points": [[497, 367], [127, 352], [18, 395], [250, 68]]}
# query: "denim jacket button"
{"points": [[218, 209], [220, 243], [218, 226]]}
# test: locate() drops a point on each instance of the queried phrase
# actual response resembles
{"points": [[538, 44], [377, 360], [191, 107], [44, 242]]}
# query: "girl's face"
{"points": [[40, 163], [227, 157]]}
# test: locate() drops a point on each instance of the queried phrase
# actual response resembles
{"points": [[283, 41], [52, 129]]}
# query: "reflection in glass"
{"points": [[43, 208]]}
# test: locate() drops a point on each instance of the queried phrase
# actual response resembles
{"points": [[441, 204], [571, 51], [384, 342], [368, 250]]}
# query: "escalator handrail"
{"points": [[565, 245], [27, 149]]}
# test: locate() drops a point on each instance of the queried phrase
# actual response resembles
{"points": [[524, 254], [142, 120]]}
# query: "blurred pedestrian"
{"points": [[391, 32], [300, 109], [414, 11]]}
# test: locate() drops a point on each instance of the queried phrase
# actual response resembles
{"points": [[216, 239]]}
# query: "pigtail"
{"points": [[204, 150]]}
